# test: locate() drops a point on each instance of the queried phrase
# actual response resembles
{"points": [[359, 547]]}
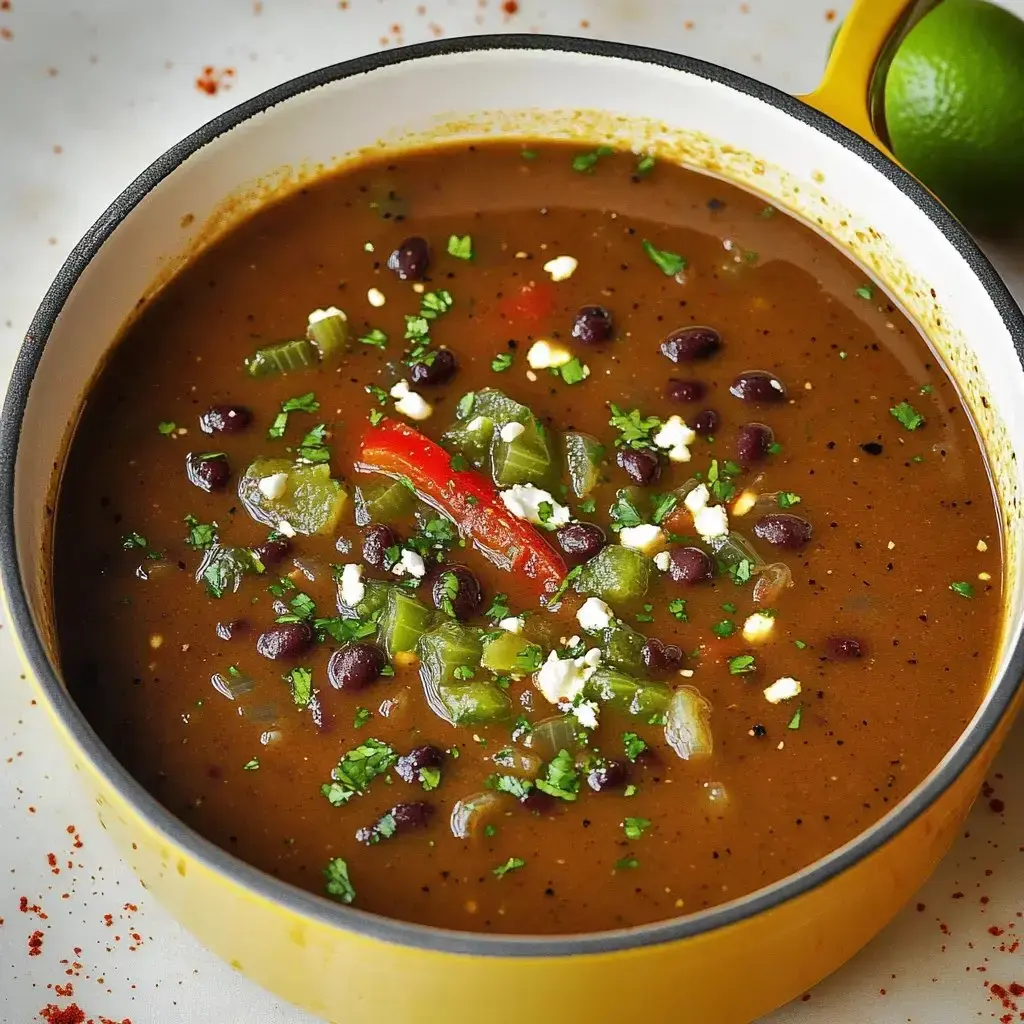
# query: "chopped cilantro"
{"points": [[301, 403], [630, 790], [379, 393], [584, 162], [362, 716], [303, 606], [434, 304], [634, 430], [740, 571], [527, 154], [724, 628], [375, 417], [545, 511], [490, 830], [460, 247], [573, 372], [669, 263], [167, 427], [729, 607], [430, 777], [588, 507], [623, 512], [627, 864], [718, 477], [925, 389], [134, 540], [799, 645], [962, 588], [909, 418], [463, 672], [768, 211], [644, 165], [865, 291], [512, 864], [633, 745], [741, 664], [521, 727], [313, 449], [466, 403], [499, 608], [794, 722], [302, 685], [677, 607], [344, 630], [251, 765], [338, 884], [449, 592], [356, 770], [570, 576], [635, 827], [662, 505], [787, 499], [774, 448], [562, 779], [501, 362], [459, 463], [511, 784], [375, 337]]}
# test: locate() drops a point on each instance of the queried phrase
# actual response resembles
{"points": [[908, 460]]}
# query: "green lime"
{"points": [[954, 109]]}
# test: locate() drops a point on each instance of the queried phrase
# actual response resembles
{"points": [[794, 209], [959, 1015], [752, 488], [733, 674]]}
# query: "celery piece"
{"points": [[471, 439], [328, 332], [286, 357], [615, 574], [583, 455], [621, 647], [375, 599], [511, 653], [383, 501], [403, 622], [293, 496], [627, 694], [527, 459]]}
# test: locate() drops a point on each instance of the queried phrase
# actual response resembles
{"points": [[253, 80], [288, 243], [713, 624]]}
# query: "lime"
{"points": [[954, 109]]}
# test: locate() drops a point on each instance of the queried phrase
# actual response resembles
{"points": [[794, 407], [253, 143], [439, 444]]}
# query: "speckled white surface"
{"points": [[91, 92]]}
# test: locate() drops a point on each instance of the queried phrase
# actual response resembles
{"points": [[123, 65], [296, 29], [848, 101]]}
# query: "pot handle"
{"points": [[851, 90]]}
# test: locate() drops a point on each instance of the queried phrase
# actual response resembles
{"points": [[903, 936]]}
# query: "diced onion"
{"points": [[688, 724], [262, 712], [311, 567], [772, 580], [470, 814], [520, 762], [231, 685], [159, 569], [735, 548], [552, 735]]}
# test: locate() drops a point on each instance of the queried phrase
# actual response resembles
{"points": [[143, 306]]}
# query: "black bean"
{"points": [[456, 591], [872, 448], [593, 324], [689, 344], [537, 800], [783, 529], [706, 422], [580, 540], [377, 538], [843, 647], [411, 259], [229, 630], [677, 390], [209, 472], [659, 657], [355, 665], [758, 386], [225, 419], [408, 766], [437, 367], [272, 552], [414, 814], [753, 442], [690, 565], [642, 468], [609, 775], [285, 640]]}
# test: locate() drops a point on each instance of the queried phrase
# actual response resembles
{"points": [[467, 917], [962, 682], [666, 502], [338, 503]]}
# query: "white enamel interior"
{"points": [[536, 93]]}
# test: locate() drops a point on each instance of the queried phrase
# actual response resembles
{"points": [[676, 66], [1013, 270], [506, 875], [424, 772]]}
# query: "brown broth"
{"points": [[890, 535]]}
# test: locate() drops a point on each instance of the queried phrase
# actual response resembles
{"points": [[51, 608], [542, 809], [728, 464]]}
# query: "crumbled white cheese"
{"points": [[758, 628], [352, 589], [511, 431], [273, 486], [594, 615], [561, 268], [563, 679], [675, 437], [322, 314], [409, 403], [411, 563], [375, 297], [711, 522], [663, 560], [744, 503], [286, 528], [646, 537], [513, 624], [545, 355], [524, 501], [982, 546], [586, 714], [697, 499], [782, 689]]}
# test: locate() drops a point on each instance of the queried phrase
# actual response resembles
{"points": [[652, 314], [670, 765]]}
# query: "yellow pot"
{"points": [[724, 966]]}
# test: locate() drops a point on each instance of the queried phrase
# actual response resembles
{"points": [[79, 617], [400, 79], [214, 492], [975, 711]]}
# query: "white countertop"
{"points": [[92, 92]]}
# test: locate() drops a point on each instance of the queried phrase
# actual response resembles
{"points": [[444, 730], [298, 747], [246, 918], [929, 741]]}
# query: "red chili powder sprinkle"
{"points": [[64, 991], [51, 859], [957, 896], [830, 15], [997, 805], [6, 33], [1016, 989], [211, 81], [31, 908], [108, 920], [131, 908], [995, 930], [510, 7], [5, 5], [53, 1014], [35, 943]]}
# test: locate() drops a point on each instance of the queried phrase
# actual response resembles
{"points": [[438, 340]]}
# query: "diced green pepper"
{"points": [[383, 501], [511, 653], [527, 459], [328, 332], [615, 574], [449, 657], [303, 497], [471, 439], [375, 599], [404, 621], [627, 694], [475, 703], [499, 408], [286, 357], [621, 646], [450, 652], [583, 455]]}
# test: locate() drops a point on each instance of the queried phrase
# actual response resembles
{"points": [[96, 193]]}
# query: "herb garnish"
{"points": [[200, 535], [635, 827], [865, 291], [449, 591], [669, 263], [301, 680], [338, 884], [356, 770], [501, 362], [724, 628], [741, 664], [623, 512], [430, 777], [644, 165], [571, 575], [301, 403], [719, 480], [512, 864], [633, 745], [362, 716], [511, 784], [375, 337], [584, 162], [460, 247], [588, 506], [794, 722], [635, 431], [677, 607], [787, 499], [251, 765], [662, 505], [562, 779], [167, 427], [627, 864], [909, 418], [313, 449], [962, 588], [573, 372], [499, 608]]}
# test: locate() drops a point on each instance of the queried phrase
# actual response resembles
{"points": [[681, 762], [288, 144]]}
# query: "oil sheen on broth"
{"points": [[863, 533]]}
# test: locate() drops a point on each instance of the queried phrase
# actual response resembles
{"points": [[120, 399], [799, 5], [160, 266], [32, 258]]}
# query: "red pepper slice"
{"points": [[469, 499]]}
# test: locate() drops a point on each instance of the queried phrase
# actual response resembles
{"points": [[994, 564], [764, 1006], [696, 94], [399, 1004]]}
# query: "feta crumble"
{"points": [[375, 297], [561, 268], [594, 615], [586, 714], [323, 314], [758, 628], [409, 403], [711, 522], [782, 689], [283, 526], [675, 437], [646, 537], [663, 560], [545, 355], [511, 431], [411, 563], [352, 589], [273, 486], [563, 679], [513, 624], [697, 499], [524, 501]]}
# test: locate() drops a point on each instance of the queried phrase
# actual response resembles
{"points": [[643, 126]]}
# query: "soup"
{"points": [[526, 539]]}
